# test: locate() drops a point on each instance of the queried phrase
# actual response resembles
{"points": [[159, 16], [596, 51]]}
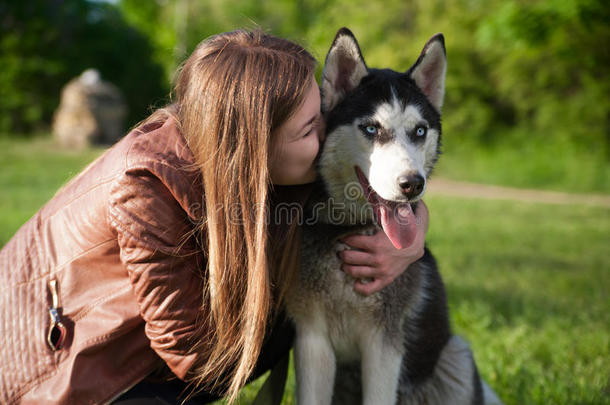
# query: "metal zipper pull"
{"points": [[56, 337]]}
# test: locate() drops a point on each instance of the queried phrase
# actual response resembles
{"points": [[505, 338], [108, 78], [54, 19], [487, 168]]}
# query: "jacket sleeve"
{"points": [[165, 267]]}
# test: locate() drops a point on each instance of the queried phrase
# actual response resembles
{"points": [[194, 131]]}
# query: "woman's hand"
{"points": [[375, 262]]}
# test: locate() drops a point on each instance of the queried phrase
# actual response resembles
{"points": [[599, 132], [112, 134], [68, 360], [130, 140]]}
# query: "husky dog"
{"points": [[395, 346]]}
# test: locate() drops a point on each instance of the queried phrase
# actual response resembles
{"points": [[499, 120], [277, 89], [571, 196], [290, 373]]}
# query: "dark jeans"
{"points": [[155, 392]]}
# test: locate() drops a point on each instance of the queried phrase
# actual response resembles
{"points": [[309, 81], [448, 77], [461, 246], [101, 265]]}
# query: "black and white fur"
{"points": [[396, 345]]}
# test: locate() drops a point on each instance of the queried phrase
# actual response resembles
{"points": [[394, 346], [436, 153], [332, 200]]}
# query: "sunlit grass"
{"points": [[31, 171], [528, 286], [533, 162]]}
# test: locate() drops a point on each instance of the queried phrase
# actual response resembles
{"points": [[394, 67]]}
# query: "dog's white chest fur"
{"points": [[346, 316], [340, 328]]}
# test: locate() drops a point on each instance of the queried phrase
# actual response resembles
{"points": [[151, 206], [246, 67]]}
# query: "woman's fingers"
{"points": [[359, 272], [358, 258], [365, 282], [362, 242], [368, 287]]}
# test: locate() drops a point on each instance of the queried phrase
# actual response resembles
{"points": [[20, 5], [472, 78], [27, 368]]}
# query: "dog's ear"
{"points": [[343, 69], [430, 69]]}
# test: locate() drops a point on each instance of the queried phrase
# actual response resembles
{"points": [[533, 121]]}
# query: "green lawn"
{"points": [[528, 283], [31, 171], [529, 162], [528, 286]]}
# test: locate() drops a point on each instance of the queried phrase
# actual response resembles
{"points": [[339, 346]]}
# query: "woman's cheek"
{"points": [[315, 147]]}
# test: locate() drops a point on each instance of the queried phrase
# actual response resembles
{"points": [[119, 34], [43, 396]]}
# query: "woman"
{"points": [[159, 254]]}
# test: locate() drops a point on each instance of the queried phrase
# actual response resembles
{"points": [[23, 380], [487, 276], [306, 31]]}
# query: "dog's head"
{"points": [[383, 132]]}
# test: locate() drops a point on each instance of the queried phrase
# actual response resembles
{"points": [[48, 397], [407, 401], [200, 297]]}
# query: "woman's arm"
{"points": [[163, 265], [375, 262]]}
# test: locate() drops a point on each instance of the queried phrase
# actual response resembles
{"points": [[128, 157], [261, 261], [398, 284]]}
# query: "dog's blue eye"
{"points": [[370, 130], [420, 131]]}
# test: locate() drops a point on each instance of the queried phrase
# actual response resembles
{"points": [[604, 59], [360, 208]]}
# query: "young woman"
{"points": [[160, 254]]}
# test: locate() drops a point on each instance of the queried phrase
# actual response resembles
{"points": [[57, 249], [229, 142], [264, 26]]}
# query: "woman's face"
{"points": [[299, 142]]}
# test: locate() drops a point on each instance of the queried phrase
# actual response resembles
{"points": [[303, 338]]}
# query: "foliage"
{"points": [[44, 44], [556, 81], [526, 100], [515, 66], [176, 27], [527, 83]]}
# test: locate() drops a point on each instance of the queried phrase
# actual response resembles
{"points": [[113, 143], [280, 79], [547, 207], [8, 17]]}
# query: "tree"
{"points": [[44, 44]]}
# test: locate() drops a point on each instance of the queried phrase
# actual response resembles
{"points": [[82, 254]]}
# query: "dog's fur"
{"points": [[394, 346]]}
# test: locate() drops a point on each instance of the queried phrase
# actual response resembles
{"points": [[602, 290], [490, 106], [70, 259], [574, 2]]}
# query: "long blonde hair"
{"points": [[231, 94]]}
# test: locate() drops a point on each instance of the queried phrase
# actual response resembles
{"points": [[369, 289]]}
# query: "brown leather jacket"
{"points": [[116, 240]]}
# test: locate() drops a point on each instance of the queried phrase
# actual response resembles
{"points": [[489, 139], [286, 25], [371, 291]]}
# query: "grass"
{"points": [[31, 171], [529, 162], [528, 284], [528, 287]]}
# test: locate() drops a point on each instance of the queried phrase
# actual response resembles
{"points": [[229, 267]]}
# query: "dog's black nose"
{"points": [[412, 185]]}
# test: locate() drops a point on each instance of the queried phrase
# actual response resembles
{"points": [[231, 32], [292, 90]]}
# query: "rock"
{"points": [[91, 111]]}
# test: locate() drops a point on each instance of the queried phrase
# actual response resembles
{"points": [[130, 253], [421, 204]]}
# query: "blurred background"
{"points": [[527, 106], [528, 81]]}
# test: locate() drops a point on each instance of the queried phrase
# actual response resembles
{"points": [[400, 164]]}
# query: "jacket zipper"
{"points": [[57, 332]]}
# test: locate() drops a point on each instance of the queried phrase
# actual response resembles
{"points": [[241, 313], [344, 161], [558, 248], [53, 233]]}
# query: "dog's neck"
{"points": [[340, 210]]}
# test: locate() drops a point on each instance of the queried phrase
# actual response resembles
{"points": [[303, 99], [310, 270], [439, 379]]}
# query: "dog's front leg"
{"points": [[314, 364], [381, 364]]}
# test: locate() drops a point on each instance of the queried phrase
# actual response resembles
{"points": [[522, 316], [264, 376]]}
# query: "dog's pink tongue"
{"points": [[398, 224]]}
